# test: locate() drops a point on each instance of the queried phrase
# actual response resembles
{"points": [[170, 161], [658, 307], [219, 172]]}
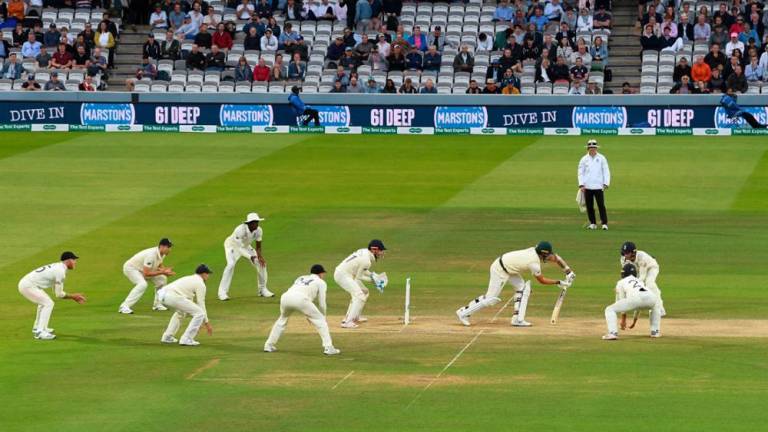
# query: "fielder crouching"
{"points": [[187, 297], [632, 294], [509, 268]]}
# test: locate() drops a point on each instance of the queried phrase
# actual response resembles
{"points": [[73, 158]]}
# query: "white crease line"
{"points": [[493, 320], [203, 368], [450, 363], [342, 380]]}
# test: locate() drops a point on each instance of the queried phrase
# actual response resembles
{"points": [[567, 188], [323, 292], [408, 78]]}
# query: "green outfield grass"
{"points": [[445, 207]]}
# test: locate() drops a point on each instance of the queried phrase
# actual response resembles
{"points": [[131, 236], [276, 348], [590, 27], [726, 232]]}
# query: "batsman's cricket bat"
{"points": [[558, 305]]}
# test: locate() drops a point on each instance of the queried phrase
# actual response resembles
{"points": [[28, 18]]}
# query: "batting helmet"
{"points": [[544, 248], [627, 248], [377, 244], [628, 270]]}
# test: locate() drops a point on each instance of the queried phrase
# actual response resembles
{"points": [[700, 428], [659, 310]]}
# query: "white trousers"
{"points": [[357, 291], [183, 306], [294, 302], [499, 278], [644, 300], [140, 285], [42, 300], [650, 283], [233, 255]]}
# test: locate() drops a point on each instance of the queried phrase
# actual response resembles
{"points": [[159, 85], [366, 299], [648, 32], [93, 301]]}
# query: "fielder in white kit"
{"points": [[351, 274], [32, 287], [147, 265], [632, 294], [510, 267], [300, 297], [187, 297], [238, 245], [647, 269]]}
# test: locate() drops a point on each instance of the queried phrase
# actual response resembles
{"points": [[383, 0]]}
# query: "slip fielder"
{"points": [[647, 269], [187, 297], [147, 265], [239, 245], [509, 268], [32, 287], [300, 297], [350, 275], [632, 294]]}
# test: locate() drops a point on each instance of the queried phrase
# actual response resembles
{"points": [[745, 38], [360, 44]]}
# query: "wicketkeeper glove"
{"points": [[380, 280]]}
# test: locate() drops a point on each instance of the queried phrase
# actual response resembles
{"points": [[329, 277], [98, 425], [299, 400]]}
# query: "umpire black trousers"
{"points": [[592, 195]]}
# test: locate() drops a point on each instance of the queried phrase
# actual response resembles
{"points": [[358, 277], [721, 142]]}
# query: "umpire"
{"points": [[594, 179], [301, 110]]}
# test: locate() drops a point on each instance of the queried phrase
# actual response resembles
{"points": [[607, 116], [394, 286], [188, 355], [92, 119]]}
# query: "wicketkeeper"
{"points": [[647, 269], [632, 294], [510, 267], [351, 274]]}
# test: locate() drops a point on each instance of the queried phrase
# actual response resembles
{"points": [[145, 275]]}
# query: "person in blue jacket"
{"points": [[301, 109], [732, 108]]}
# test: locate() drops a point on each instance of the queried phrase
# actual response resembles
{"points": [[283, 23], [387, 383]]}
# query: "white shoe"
{"points": [[361, 319], [49, 330], [462, 319], [330, 350], [610, 336], [348, 325], [188, 342], [44, 335], [125, 310], [168, 339], [159, 308], [592, 227], [266, 293], [269, 348], [224, 298], [518, 323], [605, 227], [656, 334]]}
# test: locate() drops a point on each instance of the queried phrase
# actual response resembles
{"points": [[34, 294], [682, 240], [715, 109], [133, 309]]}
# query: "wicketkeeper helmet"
{"points": [[628, 270]]}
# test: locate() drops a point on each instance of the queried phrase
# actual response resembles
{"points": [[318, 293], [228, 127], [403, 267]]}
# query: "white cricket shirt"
{"points": [[241, 239], [358, 264], [191, 288], [48, 276], [312, 287], [519, 261], [594, 172], [151, 258]]}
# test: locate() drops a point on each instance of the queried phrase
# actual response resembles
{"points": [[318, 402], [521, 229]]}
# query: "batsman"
{"points": [[510, 267]]}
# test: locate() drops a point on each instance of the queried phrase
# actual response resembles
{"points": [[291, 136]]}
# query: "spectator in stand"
{"points": [[701, 70], [81, 59], [203, 39], [354, 86], [733, 44], [151, 47], [539, 20], [106, 41], [377, 61], [718, 36], [389, 87], [12, 68], [269, 42], [196, 59], [464, 61], [491, 87], [530, 52], [681, 69], [626, 89], [569, 18], [89, 36], [484, 42], [170, 48], [579, 71], [279, 72], [38, 32], [261, 71], [245, 10], [252, 41], [292, 11], [738, 26], [583, 54], [30, 84], [210, 19], [372, 87], [61, 59], [288, 38], [274, 26], [54, 84], [17, 9], [336, 49], [215, 60], [243, 70], [428, 87], [349, 38], [683, 87], [264, 9], [510, 89], [749, 34], [407, 87], [384, 47], [602, 19], [413, 60], [297, 68], [87, 84], [669, 43], [715, 58], [176, 16], [560, 71], [670, 25], [503, 12], [31, 47], [737, 81], [593, 89], [432, 59], [733, 61], [702, 30], [222, 38], [754, 72], [577, 89], [158, 19], [188, 30], [437, 38], [363, 49], [585, 23], [685, 29], [553, 10], [338, 88], [564, 49], [321, 11], [544, 71], [146, 70], [418, 40], [51, 37], [43, 59], [342, 76], [401, 41], [396, 60], [19, 36], [363, 14], [348, 61], [599, 53], [98, 64]]}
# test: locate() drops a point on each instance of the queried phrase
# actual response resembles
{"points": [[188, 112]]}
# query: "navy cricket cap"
{"points": [[166, 242], [377, 244], [317, 269], [68, 255], [202, 268]]}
